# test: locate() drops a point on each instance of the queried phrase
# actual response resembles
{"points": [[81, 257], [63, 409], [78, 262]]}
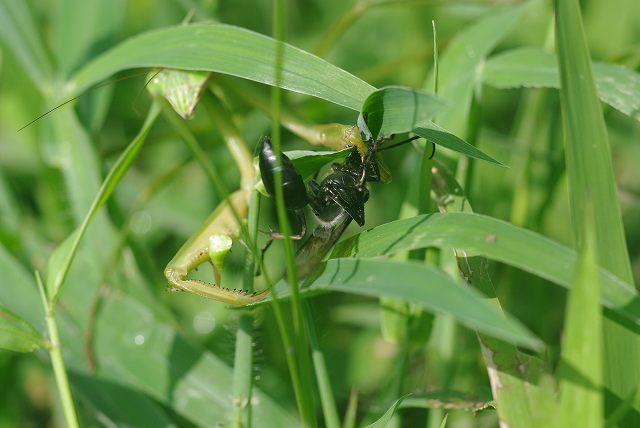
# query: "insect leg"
{"points": [[433, 149]]}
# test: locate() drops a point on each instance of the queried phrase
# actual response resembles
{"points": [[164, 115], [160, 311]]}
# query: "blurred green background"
{"points": [[157, 354]]}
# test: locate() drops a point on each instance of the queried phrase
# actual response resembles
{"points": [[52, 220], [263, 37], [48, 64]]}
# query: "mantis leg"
{"points": [[196, 251]]}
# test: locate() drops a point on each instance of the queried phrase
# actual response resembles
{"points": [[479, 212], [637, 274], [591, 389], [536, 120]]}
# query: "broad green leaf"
{"points": [[592, 183], [495, 239], [462, 61], [422, 285], [60, 261], [229, 50], [386, 418], [182, 89], [398, 109], [580, 370], [19, 32], [17, 334], [444, 138], [116, 405], [617, 85]]}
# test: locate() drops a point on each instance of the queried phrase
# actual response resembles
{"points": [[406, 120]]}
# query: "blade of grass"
{"points": [[580, 372], [229, 50], [617, 85], [422, 285], [62, 258], [438, 135], [386, 418], [494, 239], [243, 361], [523, 398], [57, 362], [592, 183], [303, 380]]}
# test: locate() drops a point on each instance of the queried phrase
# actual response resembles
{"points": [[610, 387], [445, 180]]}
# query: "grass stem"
{"points": [[57, 362]]}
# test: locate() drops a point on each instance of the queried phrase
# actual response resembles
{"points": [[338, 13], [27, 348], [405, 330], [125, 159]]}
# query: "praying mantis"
{"points": [[214, 239]]}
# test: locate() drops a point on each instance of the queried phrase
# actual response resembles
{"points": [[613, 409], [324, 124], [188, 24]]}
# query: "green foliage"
{"points": [[617, 85], [593, 193], [17, 334], [218, 47], [100, 198], [422, 285], [581, 365]]}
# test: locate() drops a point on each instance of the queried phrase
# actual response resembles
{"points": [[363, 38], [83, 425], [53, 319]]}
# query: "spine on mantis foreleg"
{"points": [[208, 245]]}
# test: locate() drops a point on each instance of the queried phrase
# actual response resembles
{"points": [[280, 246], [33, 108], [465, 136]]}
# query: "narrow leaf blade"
{"points": [[444, 138], [62, 258], [592, 184], [386, 418], [581, 397], [495, 239], [397, 109], [230, 50], [617, 85], [422, 285]]}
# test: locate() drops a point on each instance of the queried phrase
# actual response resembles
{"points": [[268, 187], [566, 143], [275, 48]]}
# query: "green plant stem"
{"points": [[302, 387], [466, 165], [243, 363], [57, 362], [327, 400]]}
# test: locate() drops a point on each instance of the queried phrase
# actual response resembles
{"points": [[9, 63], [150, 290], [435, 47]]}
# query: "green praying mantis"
{"points": [[214, 239]]}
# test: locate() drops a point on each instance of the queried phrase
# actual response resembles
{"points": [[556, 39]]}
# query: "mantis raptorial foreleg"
{"points": [[199, 249], [213, 240]]}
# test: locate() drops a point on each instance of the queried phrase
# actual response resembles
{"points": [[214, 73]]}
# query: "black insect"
{"points": [[337, 200], [342, 190]]}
